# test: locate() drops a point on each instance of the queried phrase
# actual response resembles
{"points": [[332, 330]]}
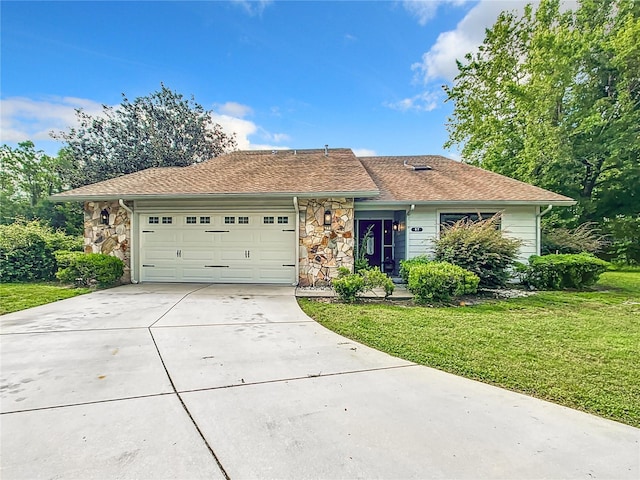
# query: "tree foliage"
{"points": [[162, 129], [552, 97], [27, 178]]}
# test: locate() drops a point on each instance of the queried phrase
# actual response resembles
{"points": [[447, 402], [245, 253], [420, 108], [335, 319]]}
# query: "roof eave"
{"points": [[555, 203], [349, 194]]}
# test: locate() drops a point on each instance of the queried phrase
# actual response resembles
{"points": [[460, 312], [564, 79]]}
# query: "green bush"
{"points": [[623, 232], [91, 269], [440, 281], [65, 257], [584, 238], [556, 272], [405, 265], [374, 278], [27, 251], [348, 287], [479, 247], [24, 253]]}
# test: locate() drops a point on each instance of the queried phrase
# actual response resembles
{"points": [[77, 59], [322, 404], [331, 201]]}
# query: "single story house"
{"points": [[294, 216]]}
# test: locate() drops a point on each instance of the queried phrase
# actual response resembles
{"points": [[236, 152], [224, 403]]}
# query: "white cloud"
{"points": [[253, 7], [423, 102], [425, 10], [440, 60], [244, 129], [235, 109], [23, 118], [364, 152]]}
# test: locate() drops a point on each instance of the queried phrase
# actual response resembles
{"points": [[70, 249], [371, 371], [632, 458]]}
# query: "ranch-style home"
{"points": [[295, 216]]}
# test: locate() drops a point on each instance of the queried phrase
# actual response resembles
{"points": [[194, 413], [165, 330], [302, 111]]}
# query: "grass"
{"points": [[578, 349], [18, 296]]}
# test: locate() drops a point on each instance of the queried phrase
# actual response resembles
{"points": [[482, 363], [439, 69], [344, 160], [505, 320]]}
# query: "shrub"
{"points": [[374, 278], [624, 235], [556, 272], [405, 265], [584, 238], [24, 253], [91, 269], [348, 287], [478, 246], [27, 250], [65, 257], [440, 281]]}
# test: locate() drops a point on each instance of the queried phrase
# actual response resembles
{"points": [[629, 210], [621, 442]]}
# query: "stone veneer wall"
{"points": [[324, 249], [113, 239]]}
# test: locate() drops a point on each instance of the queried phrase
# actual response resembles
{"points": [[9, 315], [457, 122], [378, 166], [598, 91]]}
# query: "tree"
{"points": [[27, 178], [553, 98], [160, 130]]}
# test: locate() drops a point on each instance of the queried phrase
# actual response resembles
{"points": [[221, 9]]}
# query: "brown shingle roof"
{"points": [[301, 172], [448, 181], [312, 173]]}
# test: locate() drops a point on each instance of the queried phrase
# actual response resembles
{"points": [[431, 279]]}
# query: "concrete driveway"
{"points": [[220, 381]]}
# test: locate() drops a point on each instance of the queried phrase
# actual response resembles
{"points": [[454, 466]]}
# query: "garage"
{"points": [[226, 247]]}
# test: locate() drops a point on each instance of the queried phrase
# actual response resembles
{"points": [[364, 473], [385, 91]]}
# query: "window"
{"points": [[451, 218], [154, 219], [243, 220], [229, 220], [267, 220], [191, 219], [167, 220], [283, 220], [205, 219]]}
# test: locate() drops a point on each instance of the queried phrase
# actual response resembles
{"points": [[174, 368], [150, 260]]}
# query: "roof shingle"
{"points": [[301, 172], [448, 181]]}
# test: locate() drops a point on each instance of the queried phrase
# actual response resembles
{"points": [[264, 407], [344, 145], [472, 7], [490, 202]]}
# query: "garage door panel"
{"points": [[275, 275], [237, 274], [197, 273], [198, 254], [159, 254], [245, 251], [160, 237], [196, 237], [159, 274]]}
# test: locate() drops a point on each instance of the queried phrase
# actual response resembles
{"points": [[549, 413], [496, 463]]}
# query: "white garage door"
{"points": [[231, 247]]}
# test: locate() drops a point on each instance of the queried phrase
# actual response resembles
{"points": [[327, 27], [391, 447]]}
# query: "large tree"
{"points": [[27, 178], [552, 97], [159, 130]]}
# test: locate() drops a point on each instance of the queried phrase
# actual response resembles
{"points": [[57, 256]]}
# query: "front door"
{"points": [[373, 244]]}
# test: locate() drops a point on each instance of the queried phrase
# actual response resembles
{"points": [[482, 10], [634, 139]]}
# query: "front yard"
{"points": [[578, 349], [18, 296]]}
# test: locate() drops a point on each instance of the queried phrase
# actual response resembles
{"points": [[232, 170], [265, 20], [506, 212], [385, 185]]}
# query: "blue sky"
{"points": [[281, 74]]}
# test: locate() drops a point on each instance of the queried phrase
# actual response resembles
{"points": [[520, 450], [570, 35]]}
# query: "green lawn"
{"points": [[18, 296], [579, 349]]}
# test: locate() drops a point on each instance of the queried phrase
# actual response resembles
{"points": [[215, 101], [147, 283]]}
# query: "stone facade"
{"points": [[112, 239], [322, 249]]}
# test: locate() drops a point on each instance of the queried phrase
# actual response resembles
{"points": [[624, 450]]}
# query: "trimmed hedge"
{"points": [[349, 285], [560, 271], [405, 265], [440, 281], [90, 269]]}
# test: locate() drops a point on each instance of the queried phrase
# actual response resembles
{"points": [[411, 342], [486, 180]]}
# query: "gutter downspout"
{"points": [[297, 244], [539, 228], [132, 257]]}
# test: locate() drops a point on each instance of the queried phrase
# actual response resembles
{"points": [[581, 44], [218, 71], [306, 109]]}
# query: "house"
{"points": [[294, 216]]}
